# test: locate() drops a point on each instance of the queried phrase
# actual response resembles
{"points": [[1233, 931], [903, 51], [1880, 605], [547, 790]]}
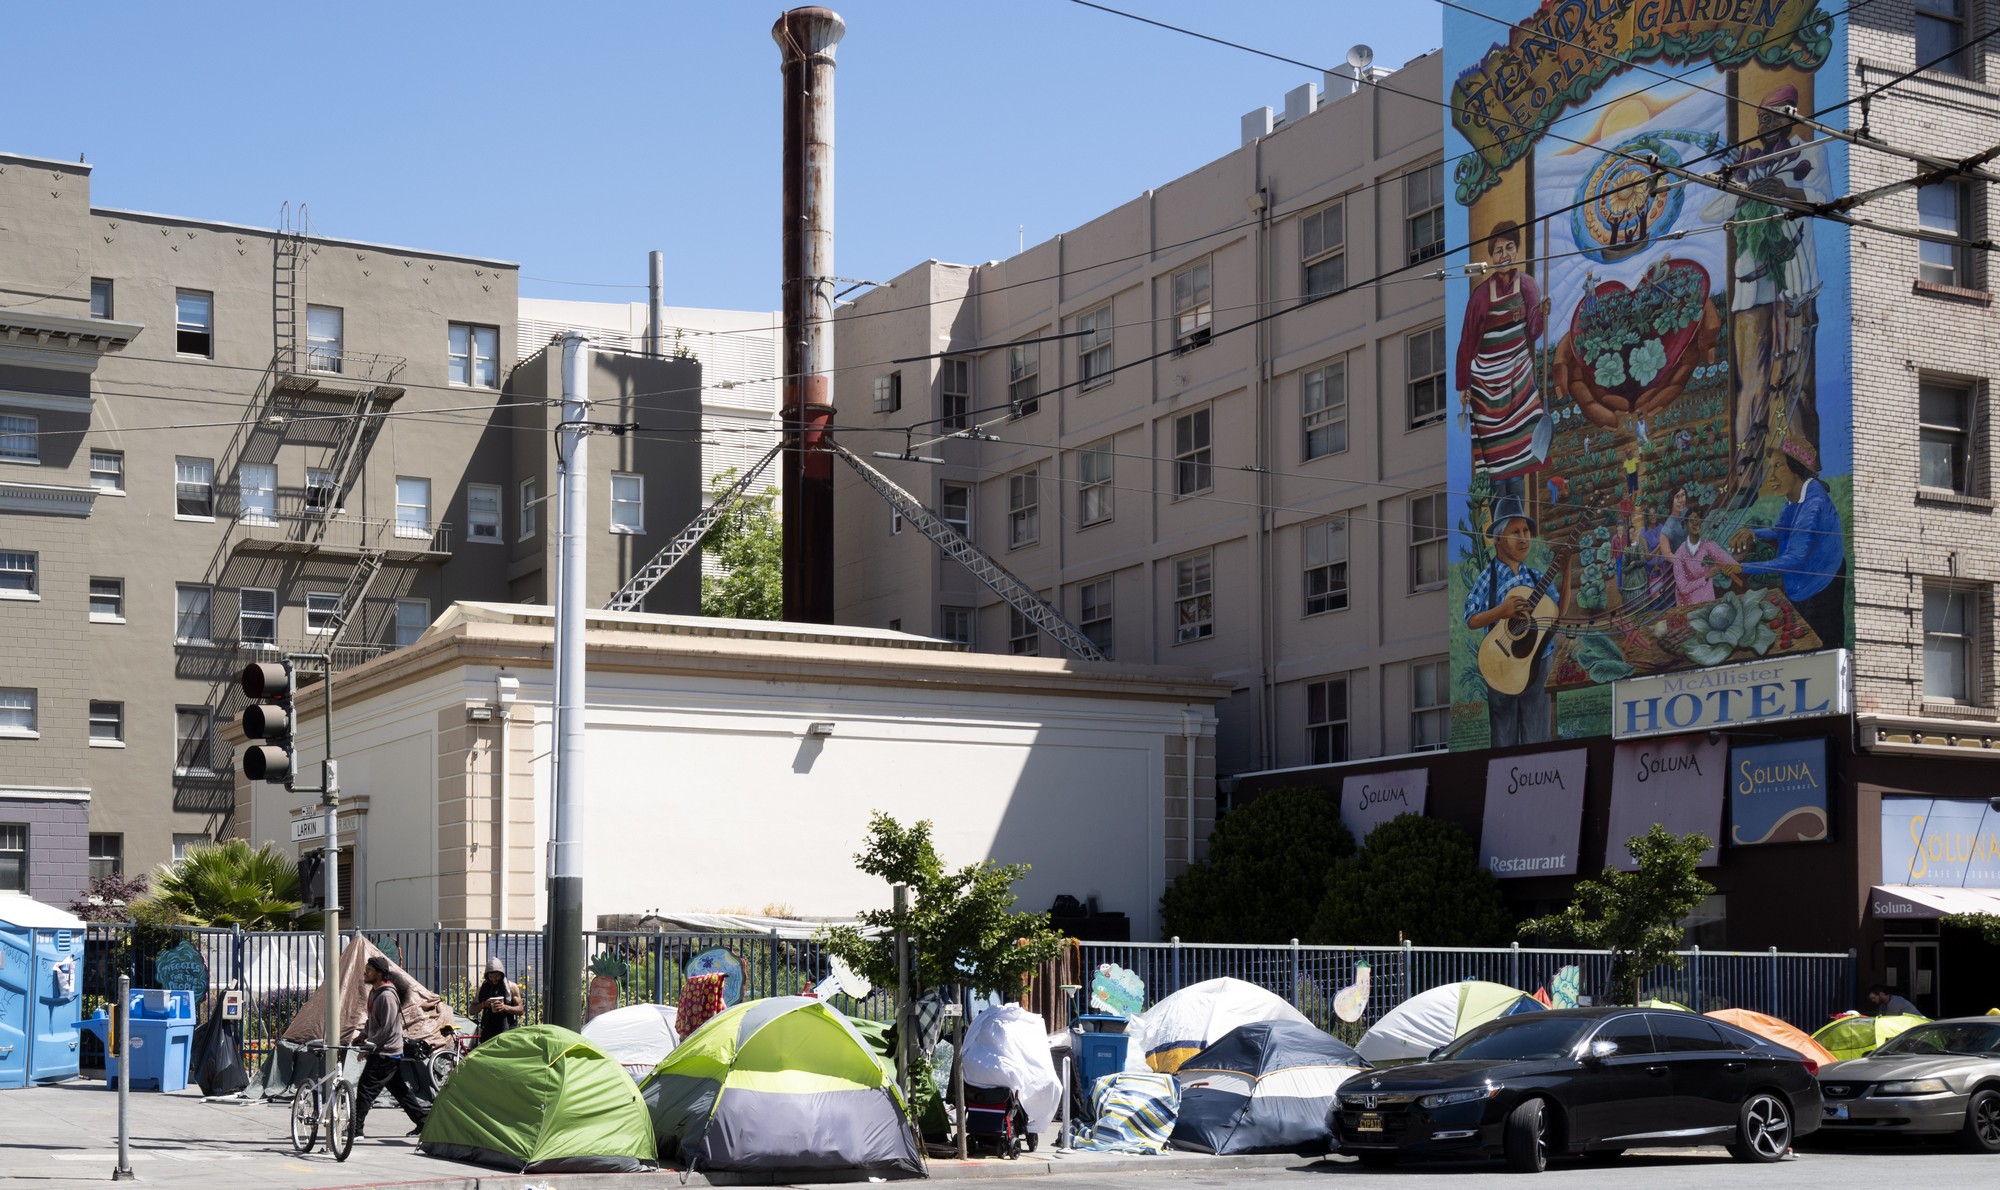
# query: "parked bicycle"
{"points": [[329, 1098]]}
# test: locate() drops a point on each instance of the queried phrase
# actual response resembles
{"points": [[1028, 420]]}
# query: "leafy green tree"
{"points": [[1417, 878], [1265, 873], [747, 543], [1635, 915], [228, 884]]}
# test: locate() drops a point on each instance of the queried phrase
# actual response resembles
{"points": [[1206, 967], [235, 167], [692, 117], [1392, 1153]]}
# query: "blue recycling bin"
{"points": [[1099, 1046], [162, 1023], [41, 961]]}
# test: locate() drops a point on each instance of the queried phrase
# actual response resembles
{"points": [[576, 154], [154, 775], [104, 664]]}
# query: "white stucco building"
{"points": [[732, 767]]}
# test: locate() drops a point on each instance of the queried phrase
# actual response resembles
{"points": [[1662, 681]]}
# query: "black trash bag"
{"points": [[216, 1065]]}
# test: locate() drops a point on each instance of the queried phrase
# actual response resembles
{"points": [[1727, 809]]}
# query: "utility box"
{"points": [[162, 1024], [41, 991]]}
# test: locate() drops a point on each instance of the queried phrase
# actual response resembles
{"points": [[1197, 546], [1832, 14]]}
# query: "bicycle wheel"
{"points": [[443, 1064], [305, 1117], [340, 1122]]}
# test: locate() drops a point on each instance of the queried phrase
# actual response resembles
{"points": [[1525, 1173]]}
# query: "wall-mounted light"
{"points": [[479, 713], [819, 731]]}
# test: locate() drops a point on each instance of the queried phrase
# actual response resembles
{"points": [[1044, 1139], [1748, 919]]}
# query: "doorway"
{"points": [[1910, 970]]}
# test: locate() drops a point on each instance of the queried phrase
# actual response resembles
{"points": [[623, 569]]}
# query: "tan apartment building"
{"points": [[222, 443], [1197, 464]]}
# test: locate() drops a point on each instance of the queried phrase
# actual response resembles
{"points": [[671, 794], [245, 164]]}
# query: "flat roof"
{"points": [[220, 225]]}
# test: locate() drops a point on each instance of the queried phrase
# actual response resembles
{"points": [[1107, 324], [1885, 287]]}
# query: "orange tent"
{"points": [[1770, 1028]]}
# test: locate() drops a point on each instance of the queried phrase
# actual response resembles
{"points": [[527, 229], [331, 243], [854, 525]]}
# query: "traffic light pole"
{"points": [[329, 800]]}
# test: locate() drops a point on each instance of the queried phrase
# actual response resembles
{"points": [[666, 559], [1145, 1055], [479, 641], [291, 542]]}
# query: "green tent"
{"points": [[1853, 1036], [784, 1084], [541, 1099]]}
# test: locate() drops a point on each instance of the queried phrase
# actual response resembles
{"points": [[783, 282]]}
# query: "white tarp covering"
{"points": [[638, 1036], [1008, 1046], [1194, 1018]]}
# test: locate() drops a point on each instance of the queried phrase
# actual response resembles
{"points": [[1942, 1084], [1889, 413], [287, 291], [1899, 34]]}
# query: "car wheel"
{"points": [[1763, 1129], [1526, 1142], [1982, 1122], [1376, 1160]]}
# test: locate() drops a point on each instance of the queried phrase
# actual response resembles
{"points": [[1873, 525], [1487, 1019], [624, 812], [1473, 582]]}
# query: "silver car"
{"points": [[1938, 1078]]}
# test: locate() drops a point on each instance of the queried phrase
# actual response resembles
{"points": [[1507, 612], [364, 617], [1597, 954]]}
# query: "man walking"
{"points": [[383, 1034]]}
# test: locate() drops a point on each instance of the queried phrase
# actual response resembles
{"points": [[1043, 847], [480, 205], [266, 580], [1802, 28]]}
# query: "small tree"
{"points": [[228, 884], [1265, 873], [1417, 878], [109, 898], [749, 547], [1635, 915]]}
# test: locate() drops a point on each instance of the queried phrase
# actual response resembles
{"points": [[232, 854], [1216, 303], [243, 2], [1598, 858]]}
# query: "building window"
{"points": [[107, 856], [482, 511], [1326, 565], [1194, 600], [1093, 483], [1023, 638], [19, 439], [257, 616], [413, 616], [1194, 307], [1944, 432], [413, 506], [1024, 378], [474, 355], [955, 625], [955, 394], [1423, 204], [1326, 720], [324, 326], [100, 297], [192, 619], [1322, 250], [889, 393], [1323, 408], [320, 493], [1094, 347], [13, 857], [20, 574], [1942, 207], [1941, 35], [183, 842], [107, 600], [628, 503], [194, 742], [107, 723], [107, 470], [321, 609], [194, 322], [1426, 359], [194, 487], [1194, 469], [17, 713], [1427, 540], [955, 506], [257, 493], [1024, 522], [1949, 616], [895, 521], [1094, 613], [1430, 706], [531, 507]]}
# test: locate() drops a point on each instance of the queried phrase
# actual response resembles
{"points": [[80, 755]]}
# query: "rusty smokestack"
{"points": [[806, 38]]}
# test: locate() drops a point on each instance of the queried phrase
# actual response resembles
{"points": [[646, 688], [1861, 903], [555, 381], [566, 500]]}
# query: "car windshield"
{"points": [[1519, 1039], [1971, 1038]]}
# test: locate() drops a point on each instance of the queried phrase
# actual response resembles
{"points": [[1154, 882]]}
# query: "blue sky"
{"points": [[574, 139]]}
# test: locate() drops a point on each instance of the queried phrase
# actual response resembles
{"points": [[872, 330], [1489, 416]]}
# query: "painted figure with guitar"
{"points": [[1517, 606]]}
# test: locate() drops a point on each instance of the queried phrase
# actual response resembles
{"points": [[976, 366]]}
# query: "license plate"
{"points": [[1836, 1111], [1369, 1122]]}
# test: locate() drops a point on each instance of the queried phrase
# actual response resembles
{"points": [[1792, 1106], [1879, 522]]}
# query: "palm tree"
{"points": [[229, 884]]}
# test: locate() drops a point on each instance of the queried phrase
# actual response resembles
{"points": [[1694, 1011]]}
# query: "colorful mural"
{"points": [[1651, 458]]}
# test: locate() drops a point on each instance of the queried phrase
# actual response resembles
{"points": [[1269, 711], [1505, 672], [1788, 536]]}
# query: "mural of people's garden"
{"points": [[1651, 448]]}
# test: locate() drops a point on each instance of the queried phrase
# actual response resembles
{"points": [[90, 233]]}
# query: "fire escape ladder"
{"points": [[349, 453], [642, 582], [365, 569], [288, 285], [1018, 595]]}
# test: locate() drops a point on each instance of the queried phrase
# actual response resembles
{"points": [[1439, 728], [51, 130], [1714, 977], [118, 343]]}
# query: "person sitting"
{"points": [[1888, 1003]]}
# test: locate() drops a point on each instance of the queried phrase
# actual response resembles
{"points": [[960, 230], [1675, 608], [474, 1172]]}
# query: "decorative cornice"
{"points": [[68, 342], [1971, 737], [46, 499]]}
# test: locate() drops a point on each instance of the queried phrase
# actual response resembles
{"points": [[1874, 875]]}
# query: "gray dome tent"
{"points": [[1264, 1087]]}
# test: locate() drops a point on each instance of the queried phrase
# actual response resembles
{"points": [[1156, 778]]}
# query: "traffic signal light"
{"points": [[268, 722]]}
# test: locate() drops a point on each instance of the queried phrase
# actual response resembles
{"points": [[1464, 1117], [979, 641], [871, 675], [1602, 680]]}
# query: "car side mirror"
{"points": [[1433, 1055], [1600, 1050]]}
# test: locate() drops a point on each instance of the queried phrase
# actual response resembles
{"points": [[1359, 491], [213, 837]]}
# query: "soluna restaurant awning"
{"points": [[1917, 901]]}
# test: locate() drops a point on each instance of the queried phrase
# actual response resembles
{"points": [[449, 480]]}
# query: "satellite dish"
{"points": [[1360, 58]]}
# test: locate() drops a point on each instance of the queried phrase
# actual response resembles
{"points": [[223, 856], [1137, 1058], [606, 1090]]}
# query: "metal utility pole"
{"points": [[806, 38], [656, 304], [565, 991]]}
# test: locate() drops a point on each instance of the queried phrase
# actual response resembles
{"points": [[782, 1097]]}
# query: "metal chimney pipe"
{"points": [[806, 38], [656, 307]]}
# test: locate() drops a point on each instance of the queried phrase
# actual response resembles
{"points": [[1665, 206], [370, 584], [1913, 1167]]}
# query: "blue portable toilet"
{"points": [[41, 991]]}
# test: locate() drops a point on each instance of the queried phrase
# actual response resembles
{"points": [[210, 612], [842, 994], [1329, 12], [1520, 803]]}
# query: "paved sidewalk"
{"points": [[67, 1135]]}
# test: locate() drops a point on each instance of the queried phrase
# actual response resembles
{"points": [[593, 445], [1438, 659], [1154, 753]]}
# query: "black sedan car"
{"points": [[1594, 1081]]}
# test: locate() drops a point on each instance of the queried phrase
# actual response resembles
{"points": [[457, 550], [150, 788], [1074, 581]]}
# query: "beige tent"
{"points": [[424, 1012]]}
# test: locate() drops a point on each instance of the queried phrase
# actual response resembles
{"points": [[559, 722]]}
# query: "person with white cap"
{"points": [[500, 1005]]}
